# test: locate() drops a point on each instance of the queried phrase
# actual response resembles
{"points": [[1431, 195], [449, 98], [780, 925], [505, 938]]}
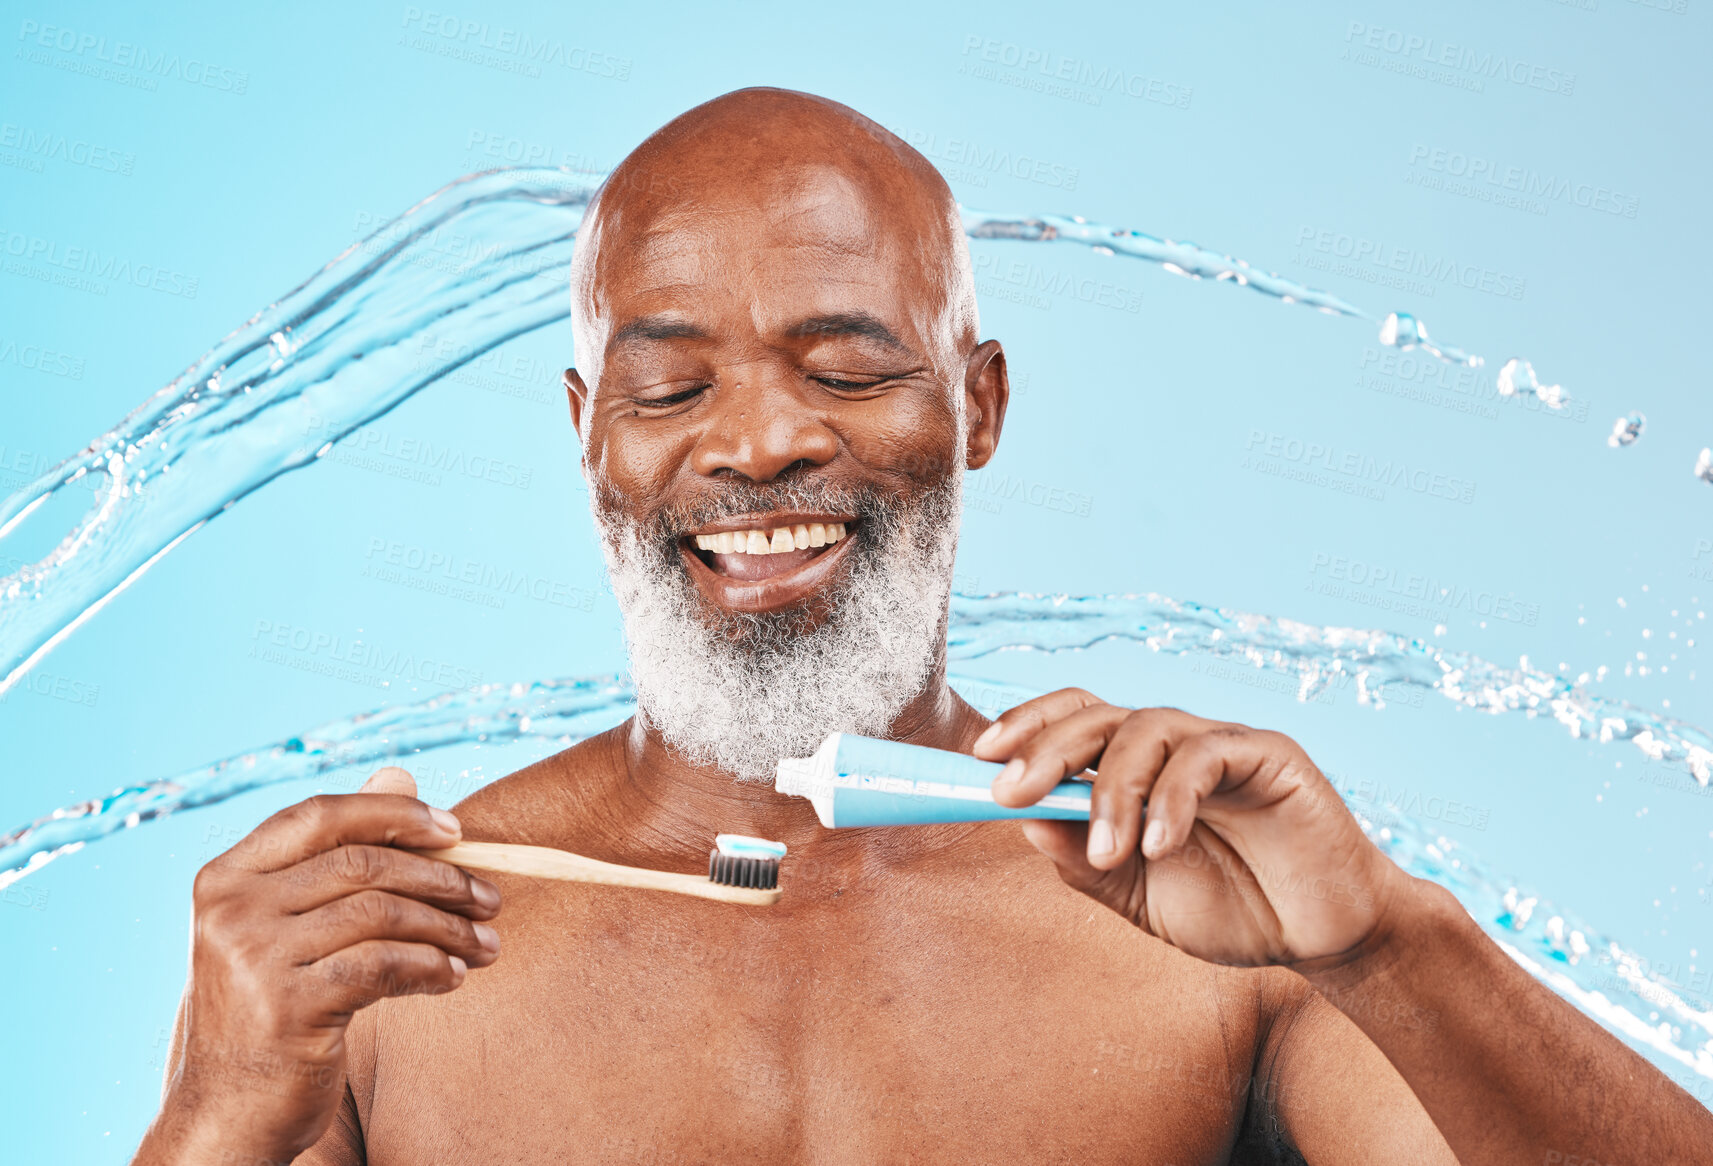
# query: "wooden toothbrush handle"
{"points": [[544, 862]]}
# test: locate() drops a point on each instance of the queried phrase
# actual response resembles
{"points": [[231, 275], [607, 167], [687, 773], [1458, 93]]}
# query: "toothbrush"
{"points": [[740, 869]]}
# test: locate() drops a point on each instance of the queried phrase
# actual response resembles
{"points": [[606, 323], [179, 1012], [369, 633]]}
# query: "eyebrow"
{"points": [[655, 328], [863, 324]]}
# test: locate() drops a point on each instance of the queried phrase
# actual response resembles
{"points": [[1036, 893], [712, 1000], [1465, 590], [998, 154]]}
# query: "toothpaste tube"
{"points": [[862, 781]]}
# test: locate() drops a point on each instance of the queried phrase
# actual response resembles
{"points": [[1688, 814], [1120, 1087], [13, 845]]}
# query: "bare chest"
{"points": [[892, 1029]]}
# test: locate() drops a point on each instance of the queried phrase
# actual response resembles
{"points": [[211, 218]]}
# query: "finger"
{"points": [[1066, 843], [377, 968], [390, 779], [1064, 747], [329, 820], [345, 870], [370, 915], [1196, 768], [1128, 768], [1000, 739]]}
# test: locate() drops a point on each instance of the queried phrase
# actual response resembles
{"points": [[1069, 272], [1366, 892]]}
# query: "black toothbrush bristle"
{"points": [[732, 871]]}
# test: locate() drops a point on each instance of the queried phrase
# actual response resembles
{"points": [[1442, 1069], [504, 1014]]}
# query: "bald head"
{"points": [[775, 323], [761, 171]]}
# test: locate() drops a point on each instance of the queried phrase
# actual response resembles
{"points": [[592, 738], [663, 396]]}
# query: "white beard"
{"points": [[738, 692]]}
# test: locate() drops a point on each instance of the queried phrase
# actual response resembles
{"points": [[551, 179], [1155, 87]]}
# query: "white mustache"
{"points": [[737, 691]]}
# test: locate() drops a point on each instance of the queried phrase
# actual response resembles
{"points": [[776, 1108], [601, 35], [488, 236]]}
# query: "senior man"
{"points": [[779, 386]]}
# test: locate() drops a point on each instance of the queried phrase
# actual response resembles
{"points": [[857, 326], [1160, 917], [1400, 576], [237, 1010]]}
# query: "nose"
{"points": [[759, 429]]}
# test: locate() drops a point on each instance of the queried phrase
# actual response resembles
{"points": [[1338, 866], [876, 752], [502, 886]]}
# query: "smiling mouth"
{"points": [[761, 553]]}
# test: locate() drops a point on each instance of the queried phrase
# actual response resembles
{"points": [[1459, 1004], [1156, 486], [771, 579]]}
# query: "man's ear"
{"points": [[578, 394], [987, 391]]}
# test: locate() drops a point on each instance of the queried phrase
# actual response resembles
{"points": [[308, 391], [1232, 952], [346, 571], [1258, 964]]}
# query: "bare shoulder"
{"points": [[538, 803]]}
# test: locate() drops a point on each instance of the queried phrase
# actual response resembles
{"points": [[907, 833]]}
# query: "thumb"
{"points": [[390, 780], [1066, 843]]}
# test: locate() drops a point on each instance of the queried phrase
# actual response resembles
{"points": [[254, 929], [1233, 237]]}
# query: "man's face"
{"points": [[766, 372], [788, 339]]}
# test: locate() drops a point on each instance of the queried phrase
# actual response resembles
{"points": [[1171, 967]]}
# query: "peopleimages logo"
{"points": [[43, 360], [1030, 282], [1527, 186], [434, 570], [523, 378], [990, 491], [1407, 264], [359, 661], [86, 52], [45, 145], [965, 160], [1411, 803], [64, 688], [508, 49], [1411, 593], [1438, 60], [513, 151], [1350, 471], [83, 267], [1457, 387], [414, 458], [1057, 75]]}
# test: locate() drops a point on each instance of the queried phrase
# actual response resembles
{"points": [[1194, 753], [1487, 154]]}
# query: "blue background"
{"points": [[1271, 132]]}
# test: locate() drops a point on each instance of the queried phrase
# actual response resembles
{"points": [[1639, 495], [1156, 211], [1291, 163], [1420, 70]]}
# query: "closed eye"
{"points": [[671, 399], [842, 385]]}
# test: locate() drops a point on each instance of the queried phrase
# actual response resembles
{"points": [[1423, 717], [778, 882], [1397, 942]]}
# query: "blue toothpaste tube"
{"points": [[863, 781]]}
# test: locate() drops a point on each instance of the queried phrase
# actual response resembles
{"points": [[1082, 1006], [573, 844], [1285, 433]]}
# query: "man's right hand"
{"points": [[312, 916]]}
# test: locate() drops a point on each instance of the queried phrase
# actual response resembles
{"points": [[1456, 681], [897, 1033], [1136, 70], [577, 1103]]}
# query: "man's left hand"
{"points": [[1225, 841]]}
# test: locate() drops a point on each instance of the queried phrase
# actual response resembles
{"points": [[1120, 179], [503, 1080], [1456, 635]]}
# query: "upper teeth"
{"points": [[768, 542]]}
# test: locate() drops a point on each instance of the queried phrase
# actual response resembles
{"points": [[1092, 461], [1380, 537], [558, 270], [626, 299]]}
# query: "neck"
{"points": [[663, 803]]}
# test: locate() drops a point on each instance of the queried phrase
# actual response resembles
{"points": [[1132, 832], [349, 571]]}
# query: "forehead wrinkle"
{"points": [[837, 212], [658, 247], [711, 194], [690, 267]]}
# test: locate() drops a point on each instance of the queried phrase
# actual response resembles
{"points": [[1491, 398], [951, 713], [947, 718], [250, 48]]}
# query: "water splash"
{"points": [[1186, 259], [1397, 329], [1517, 378], [1375, 660], [1627, 430], [1606, 980], [1402, 330], [280, 391], [563, 710], [485, 258]]}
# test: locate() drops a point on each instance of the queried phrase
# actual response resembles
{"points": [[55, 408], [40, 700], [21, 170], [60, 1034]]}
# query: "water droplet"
{"points": [[1517, 378], [1626, 429]]}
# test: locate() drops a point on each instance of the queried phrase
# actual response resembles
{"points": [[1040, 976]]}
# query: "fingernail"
{"points": [[988, 734], [459, 967], [1010, 775], [1154, 838], [485, 893], [487, 937], [1101, 840], [445, 821]]}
